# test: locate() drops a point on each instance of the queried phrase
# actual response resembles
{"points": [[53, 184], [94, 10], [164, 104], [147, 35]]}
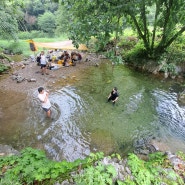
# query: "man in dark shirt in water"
{"points": [[113, 95]]}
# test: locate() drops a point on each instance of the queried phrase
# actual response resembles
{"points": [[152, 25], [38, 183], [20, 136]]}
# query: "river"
{"points": [[83, 122]]}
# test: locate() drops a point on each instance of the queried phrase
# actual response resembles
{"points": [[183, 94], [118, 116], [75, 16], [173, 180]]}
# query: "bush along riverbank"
{"points": [[31, 166]]}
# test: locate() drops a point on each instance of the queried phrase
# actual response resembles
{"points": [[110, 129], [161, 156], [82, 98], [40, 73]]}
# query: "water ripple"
{"points": [[64, 138], [171, 115], [134, 102]]}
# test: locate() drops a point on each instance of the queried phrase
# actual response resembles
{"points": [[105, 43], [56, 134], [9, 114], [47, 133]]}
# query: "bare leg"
{"points": [[48, 113], [44, 70]]}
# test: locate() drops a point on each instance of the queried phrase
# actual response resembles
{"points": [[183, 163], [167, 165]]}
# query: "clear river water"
{"points": [[83, 122]]}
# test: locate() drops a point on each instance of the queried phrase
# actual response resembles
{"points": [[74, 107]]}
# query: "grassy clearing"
{"points": [[58, 39], [22, 47]]}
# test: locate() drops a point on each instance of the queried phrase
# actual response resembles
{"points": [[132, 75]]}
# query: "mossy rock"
{"points": [[3, 56]]}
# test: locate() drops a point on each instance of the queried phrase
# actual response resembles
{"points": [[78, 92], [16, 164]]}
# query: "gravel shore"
{"points": [[32, 78]]}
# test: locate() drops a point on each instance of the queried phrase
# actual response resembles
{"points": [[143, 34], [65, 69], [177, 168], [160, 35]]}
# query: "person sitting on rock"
{"points": [[74, 58], [66, 59]]}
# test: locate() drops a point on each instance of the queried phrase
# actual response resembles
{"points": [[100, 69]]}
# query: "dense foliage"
{"points": [[22, 16], [157, 23], [46, 23], [32, 166], [36, 8], [10, 17]]}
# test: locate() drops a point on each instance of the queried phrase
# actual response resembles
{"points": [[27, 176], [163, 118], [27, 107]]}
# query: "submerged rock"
{"points": [[103, 140]]}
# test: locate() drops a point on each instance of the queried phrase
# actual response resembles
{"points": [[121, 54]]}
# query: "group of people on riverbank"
{"points": [[54, 58]]}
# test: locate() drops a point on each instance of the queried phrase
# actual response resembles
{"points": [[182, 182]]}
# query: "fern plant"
{"points": [[142, 175], [100, 174]]}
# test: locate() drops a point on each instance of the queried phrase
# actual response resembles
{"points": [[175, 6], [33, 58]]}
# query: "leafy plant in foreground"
{"points": [[100, 174], [3, 68], [33, 167], [139, 171], [154, 171]]}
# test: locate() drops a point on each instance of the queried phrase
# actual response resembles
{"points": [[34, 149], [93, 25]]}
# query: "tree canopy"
{"points": [[19, 15], [10, 16], [46, 23], [156, 22]]}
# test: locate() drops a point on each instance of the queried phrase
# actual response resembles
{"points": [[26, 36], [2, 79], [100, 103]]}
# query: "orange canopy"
{"points": [[65, 45]]}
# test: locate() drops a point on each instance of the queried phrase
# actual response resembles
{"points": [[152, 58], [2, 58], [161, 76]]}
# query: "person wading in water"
{"points": [[44, 99], [113, 96]]}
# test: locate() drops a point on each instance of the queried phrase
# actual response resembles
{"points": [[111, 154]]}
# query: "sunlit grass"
{"points": [[24, 46], [57, 39]]}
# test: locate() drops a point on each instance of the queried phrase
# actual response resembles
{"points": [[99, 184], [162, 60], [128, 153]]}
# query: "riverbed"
{"points": [[82, 120]]}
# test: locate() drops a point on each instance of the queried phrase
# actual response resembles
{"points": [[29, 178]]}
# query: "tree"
{"points": [[10, 16], [9, 26], [100, 18], [38, 7], [35, 8], [62, 19], [168, 20], [85, 19], [46, 23]]}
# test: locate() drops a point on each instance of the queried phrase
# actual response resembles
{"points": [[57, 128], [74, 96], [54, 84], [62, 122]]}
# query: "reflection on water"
{"points": [[83, 122]]}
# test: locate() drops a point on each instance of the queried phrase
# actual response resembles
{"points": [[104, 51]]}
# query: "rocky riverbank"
{"points": [[24, 76]]}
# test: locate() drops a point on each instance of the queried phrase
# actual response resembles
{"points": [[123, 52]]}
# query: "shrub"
{"points": [[33, 167], [3, 68], [16, 48], [136, 53], [100, 174], [31, 35]]}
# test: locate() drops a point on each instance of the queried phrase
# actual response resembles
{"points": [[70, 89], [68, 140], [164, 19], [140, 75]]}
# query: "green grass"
{"points": [[58, 39], [24, 47]]}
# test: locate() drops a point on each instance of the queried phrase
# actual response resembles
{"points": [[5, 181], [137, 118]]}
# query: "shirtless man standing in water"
{"points": [[45, 102]]}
